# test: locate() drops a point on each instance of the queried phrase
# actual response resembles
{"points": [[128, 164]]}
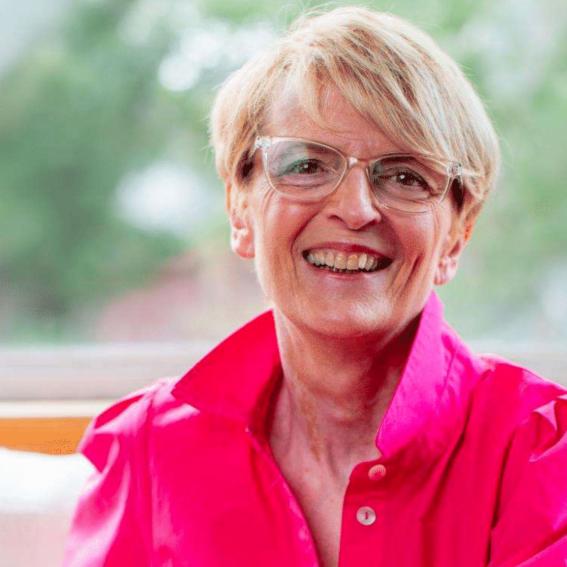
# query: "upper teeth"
{"points": [[341, 260]]}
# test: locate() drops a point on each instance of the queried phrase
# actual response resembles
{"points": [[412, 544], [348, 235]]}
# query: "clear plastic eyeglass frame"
{"points": [[451, 170]]}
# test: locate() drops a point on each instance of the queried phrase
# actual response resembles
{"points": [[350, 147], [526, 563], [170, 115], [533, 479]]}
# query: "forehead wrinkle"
{"points": [[286, 116], [350, 142]]}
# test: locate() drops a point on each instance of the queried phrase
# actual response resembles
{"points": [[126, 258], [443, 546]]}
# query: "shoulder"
{"points": [[531, 514], [529, 413], [516, 421], [515, 392], [124, 427], [498, 394], [111, 524], [510, 412], [538, 405]]}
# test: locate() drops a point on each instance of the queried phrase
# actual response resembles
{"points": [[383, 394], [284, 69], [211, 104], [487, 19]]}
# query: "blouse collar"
{"points": [[235, 380]]}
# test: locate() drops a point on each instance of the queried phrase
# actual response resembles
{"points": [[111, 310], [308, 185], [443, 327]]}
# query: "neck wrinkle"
{"points": [[335, 393]]}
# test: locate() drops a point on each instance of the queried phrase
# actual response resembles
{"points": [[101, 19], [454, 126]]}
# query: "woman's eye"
{"points": [[410, 179], [402, 180], [399, 181], [304, 166]]}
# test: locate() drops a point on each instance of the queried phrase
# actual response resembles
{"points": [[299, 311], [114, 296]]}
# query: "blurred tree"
{"points": [[78, 113]]}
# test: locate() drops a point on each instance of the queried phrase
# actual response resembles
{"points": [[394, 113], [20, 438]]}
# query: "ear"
{"points": [[241, 230], [454, 246]]}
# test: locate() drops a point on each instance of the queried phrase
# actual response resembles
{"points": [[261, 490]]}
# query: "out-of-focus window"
{"points": [[113, 227]]}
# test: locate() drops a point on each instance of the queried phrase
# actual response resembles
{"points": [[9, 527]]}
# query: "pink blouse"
{"points": [[473, 469]]}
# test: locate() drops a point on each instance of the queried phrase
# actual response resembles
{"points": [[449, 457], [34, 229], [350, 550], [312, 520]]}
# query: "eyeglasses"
{"points": [[310, 171]]}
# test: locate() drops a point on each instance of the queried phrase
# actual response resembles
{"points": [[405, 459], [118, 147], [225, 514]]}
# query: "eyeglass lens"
{"points": [[309, 171]]}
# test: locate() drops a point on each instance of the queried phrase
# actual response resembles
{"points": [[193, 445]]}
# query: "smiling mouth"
{"points": [[343, 263]]}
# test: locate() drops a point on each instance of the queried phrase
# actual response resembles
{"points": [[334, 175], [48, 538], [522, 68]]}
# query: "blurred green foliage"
{"points": [[77, 113], [84, 107]]}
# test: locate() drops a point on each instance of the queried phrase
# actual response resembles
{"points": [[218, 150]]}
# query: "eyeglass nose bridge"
{"points": [[351, 162]]}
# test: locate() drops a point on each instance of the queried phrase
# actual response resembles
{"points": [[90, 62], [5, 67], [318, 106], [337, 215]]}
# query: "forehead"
{"points": [[339, 125]]}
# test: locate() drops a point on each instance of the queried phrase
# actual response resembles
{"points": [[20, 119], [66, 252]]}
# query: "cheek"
{"points": [[418, 236], [277, 224], [438, 230], [421, 239], [264, 204]]}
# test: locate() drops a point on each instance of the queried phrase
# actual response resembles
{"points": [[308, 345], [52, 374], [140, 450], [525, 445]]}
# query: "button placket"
{"points": [[363, 516]]}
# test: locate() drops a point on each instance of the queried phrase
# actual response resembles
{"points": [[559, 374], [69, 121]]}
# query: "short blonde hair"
{"points": [[388, 70]]}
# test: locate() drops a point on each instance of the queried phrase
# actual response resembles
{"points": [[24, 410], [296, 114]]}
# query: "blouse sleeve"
{"points": [[530, 528], [111, 523]]}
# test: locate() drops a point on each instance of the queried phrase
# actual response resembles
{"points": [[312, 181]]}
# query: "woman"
{"points": [[349, 425]]}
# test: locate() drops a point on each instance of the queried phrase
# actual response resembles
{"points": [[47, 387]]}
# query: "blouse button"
{"points": [[377, 472], [366, 515]]}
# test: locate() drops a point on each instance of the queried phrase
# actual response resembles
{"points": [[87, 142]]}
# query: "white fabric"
{"points": [[37, 497]]}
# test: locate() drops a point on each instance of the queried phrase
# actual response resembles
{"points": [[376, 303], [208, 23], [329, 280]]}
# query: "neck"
{"points": [[335, 393]]}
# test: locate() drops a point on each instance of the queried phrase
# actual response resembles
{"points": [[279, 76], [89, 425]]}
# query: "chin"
{"points": [[347, 322]]}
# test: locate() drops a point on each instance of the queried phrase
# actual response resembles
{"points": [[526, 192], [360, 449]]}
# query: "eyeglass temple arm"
{"points": [[262, 142]]}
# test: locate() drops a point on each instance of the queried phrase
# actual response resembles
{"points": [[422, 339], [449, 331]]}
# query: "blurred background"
{"points": [[113, 228]]}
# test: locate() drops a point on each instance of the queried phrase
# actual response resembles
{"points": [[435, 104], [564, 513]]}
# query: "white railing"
{"points": [[107, 372], [90, 372]]}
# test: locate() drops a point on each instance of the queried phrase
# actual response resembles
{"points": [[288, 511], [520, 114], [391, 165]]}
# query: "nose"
{"points": [[352, 201]]}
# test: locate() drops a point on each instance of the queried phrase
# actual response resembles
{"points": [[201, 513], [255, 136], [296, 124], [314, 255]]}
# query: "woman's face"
{"points": [[415, 250]]}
